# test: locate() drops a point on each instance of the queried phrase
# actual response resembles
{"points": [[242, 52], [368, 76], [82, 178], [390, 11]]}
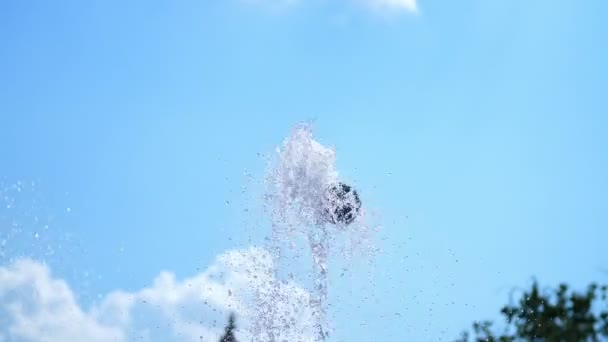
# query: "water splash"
{"points": [[24, 225], [31, 229], [309, 202]]}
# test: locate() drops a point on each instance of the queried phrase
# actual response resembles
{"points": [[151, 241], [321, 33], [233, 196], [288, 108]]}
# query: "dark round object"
{"points": [[342, 204]]}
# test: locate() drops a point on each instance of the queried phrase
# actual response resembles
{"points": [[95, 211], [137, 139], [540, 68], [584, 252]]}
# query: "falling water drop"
{"points": [[308, 201]]}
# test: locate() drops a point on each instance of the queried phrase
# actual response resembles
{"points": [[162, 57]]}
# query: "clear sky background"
{"points": [[476, 130]]}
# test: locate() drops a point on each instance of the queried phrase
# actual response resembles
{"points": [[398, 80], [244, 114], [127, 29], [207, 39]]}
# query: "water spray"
{"points": [[308, 199], [340, 207]]}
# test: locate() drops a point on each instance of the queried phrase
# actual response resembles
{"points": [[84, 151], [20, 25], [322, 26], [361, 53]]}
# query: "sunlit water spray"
{"points": [[308, 203], [308, 200], [30, 229], [24, 225]]}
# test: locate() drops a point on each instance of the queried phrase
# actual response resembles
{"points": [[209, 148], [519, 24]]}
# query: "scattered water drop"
{"points": [[299, 184]]}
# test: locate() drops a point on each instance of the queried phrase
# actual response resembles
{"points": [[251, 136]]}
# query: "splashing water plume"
{"points": [[307, 200], [310, 206]]}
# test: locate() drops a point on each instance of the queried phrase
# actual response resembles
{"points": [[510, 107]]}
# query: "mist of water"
{"points": [[298, 199]]}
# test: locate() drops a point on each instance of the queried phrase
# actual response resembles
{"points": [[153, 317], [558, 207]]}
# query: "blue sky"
{"points": [[477, 130]]}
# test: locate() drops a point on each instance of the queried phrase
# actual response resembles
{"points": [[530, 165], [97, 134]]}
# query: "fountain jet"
{"points": [[308, 199]]}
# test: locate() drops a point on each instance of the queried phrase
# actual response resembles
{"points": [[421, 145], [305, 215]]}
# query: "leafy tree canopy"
{"points": [[557, 315]]}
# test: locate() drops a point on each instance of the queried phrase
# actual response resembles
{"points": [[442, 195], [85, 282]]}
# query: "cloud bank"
{"points": [[35, 306]]}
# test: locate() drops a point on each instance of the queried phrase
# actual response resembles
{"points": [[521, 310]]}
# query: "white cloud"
{"points": [[383, 5], [35, 306], [40, 308], [407, 5]]}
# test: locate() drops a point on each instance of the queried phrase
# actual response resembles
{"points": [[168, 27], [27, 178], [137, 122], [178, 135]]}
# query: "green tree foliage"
{"points": [[229, 330], [558, 315]]}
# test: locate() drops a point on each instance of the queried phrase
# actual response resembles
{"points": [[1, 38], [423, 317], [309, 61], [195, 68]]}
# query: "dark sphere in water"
{"points": [[342, 204]]}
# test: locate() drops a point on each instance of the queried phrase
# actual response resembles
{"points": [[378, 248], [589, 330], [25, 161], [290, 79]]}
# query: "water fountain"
{"points": [[308, 200], [308, 204]]}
